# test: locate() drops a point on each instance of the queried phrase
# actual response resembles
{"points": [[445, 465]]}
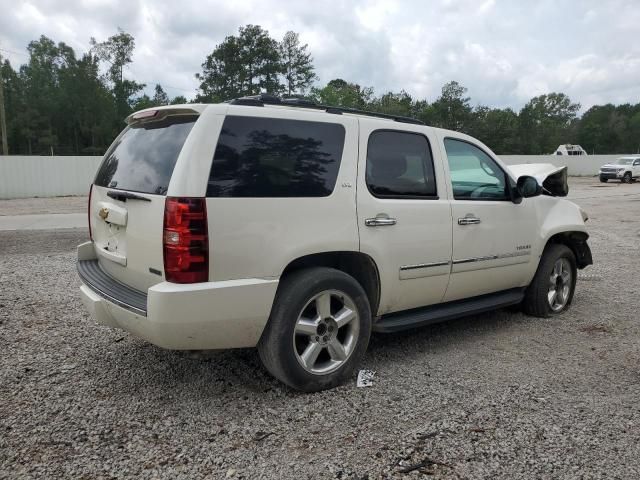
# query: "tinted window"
{"points": [[142, 159], [474, 174], [399, 164], [272, 157]]}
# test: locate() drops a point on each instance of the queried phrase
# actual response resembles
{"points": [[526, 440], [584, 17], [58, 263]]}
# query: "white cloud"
{"points": [[504, 52]]}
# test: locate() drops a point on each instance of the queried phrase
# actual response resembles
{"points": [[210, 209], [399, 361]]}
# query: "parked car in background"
{"points": [[569, 149], [299, 229], [625, 169]]}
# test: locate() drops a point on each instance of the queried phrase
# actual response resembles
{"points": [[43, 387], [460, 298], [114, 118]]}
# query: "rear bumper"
{"points": [[210, 315]]}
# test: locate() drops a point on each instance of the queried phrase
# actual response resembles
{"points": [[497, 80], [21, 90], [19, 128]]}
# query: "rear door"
{"points": [[404, 216], [126, 210]]}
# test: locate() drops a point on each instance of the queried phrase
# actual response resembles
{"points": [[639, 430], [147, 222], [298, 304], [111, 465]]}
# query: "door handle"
{"points": [[469, 219], [380, 221]]}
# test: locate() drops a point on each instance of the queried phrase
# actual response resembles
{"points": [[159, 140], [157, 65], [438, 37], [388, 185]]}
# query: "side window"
{"points": [[474, 174], [399, 165], [273, 157], [636, 163]]}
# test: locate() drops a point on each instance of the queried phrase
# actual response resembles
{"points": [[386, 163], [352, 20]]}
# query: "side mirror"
{"points": [[528, 187]]}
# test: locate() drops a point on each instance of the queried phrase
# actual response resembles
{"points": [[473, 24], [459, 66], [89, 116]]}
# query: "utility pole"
{"points": [[3, 120]]}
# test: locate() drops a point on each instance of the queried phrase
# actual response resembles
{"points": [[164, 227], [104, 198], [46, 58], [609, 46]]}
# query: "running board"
{"points": [[419, 317]]}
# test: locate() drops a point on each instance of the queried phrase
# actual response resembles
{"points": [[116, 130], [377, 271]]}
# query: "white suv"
{"points": [[625, 169], [300, 229]]}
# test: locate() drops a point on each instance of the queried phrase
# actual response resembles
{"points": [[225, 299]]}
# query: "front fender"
{"points": [[561, 220]]}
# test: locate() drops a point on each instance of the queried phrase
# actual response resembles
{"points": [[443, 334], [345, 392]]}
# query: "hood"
{"points": [[552, 178], [614, 165]]}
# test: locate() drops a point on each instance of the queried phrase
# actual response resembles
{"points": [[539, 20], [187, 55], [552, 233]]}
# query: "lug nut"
{"points": [[325, 338]]}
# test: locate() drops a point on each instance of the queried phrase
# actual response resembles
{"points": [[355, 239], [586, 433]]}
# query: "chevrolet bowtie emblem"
{"points": [[103, 213]]}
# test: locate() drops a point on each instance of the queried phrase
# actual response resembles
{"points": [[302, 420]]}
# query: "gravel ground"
{"points": [[498, 395]]}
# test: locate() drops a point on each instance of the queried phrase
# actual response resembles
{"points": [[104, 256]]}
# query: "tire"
{"points": [[538, 297], [603, 180], [626, 178], [299, 345]]}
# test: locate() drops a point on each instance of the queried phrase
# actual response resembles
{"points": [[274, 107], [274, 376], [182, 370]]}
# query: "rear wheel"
{"points": [[553, 286], [318, 330], [626, 178]]}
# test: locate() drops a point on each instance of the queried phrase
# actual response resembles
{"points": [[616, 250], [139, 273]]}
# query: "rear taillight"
{"points": [[185, 240], [89, 212]]}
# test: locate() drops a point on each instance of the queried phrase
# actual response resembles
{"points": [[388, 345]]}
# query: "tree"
{"points": [[545, 123], [297, 64], [400, 104], [117, 50], [452, 109], [180, 99], [244, 65], [12, 94], [498, 128], [142, 102], [160, 97], [340, 93]]}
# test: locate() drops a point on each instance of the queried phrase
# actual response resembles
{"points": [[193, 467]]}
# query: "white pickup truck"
{"points": [[625, 169], [301, 228]]}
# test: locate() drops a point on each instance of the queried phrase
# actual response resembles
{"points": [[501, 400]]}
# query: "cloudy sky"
{"points": [[503, 51]]}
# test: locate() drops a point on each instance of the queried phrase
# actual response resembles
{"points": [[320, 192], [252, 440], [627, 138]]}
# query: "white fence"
{"points": [[31, 176], [579, 165]]}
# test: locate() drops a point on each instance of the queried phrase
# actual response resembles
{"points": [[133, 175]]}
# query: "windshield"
{"points": [[143, 158], [624, 161]]}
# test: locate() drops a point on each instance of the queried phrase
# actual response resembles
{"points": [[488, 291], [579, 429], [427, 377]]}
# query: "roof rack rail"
{"points": [[266, 99]]}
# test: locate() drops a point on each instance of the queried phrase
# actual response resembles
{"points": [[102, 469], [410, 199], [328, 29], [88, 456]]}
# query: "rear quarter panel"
{"points": [[259, 237]]}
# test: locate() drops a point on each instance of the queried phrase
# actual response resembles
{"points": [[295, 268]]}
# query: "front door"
{"points": [[404, 216], [492, 236]]}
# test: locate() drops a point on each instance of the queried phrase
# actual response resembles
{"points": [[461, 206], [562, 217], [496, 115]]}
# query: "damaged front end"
{"points": [[552, 179]]}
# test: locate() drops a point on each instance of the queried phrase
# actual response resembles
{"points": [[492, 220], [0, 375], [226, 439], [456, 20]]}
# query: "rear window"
{"points": [[143, 158], [273, 157]]}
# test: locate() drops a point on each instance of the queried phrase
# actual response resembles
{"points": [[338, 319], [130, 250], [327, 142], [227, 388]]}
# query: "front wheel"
{"points": [[603, 179], [626, 178], [553, 285], [318, 330]]}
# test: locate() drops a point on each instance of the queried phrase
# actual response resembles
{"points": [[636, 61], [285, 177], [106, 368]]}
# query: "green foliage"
{"points": [[160, 97], [180, 99], [244, 65], [545, 121], [59, 103], [117, 51], [343, 94], [452, 109], [297, 64]]}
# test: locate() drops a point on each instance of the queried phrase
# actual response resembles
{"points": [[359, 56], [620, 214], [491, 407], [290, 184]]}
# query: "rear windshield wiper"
{"points": [[124, 196]]}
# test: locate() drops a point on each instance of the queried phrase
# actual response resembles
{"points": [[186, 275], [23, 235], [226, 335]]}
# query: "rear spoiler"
{"points": [[157, 113], [552, 178]]}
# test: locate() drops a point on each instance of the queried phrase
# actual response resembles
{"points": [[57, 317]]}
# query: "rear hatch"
{"points": [[126, 207]]}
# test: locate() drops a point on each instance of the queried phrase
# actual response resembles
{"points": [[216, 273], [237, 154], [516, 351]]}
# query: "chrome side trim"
{"points": [[424, 265], [492, 257]]}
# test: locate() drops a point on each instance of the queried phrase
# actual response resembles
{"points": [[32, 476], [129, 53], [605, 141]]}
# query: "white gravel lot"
{"points": [[498, 395]]}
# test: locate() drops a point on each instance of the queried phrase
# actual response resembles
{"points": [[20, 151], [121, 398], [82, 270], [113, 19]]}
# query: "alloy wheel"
{"points": [[326, 332], [560, 284]]}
